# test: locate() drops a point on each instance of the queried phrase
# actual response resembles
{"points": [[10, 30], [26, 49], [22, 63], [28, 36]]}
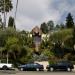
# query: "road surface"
{"points": [[35, 73]]}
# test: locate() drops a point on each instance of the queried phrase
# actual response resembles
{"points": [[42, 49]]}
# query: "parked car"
{"points": [[31, 67], [61, 65], [5, 66]]}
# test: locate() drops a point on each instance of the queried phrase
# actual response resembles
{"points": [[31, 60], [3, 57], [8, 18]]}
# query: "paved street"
{"points": [[35, 73]]}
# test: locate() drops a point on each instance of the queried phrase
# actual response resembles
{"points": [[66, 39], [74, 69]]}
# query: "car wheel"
{"points": [[51, 69], [68, 69], [4, 67], [37, 69], [21, 69]]}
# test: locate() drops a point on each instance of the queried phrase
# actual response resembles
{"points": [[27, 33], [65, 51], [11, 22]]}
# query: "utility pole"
{"points": [[4, 16], [15, 12], [16, 8]]}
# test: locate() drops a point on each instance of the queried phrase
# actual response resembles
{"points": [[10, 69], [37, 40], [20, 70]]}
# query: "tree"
{"points": [[0, 22], [58, 50], [62, 26], [61, 35], [62, 40], [4, 35], [44, 28], [69, 21], [5, 7], [57, 27], [11, 22], [16, 45], [50, 25], [8, 6], [74, 36], [12, 46]]}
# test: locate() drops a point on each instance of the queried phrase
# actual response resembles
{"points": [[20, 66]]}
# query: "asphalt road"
{"points": [[34, 73]]}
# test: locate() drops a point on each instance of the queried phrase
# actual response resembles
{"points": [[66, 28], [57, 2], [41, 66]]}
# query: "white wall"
{"points": [[44, 63]]}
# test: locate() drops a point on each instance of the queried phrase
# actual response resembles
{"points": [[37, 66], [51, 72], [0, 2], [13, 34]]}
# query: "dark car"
{"points": [[31, 67], [61, 65]]}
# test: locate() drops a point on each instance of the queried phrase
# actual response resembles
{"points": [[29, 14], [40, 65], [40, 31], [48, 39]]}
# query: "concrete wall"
{"points": [[44, 63], [74, 67]]}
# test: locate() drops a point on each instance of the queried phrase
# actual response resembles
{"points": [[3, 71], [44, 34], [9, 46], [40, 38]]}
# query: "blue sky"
{"points": [[32, 13]]}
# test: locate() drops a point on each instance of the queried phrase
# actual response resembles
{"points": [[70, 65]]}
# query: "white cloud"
{"points": [[33, 12], [24, 23]]}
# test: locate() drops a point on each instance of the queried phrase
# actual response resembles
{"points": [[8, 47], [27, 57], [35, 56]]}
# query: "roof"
{"points": [[36, 30]]}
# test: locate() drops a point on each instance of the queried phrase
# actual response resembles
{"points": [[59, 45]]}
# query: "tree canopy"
{"points": [[11, 22], [69, 21], [8, 5], [50, 25], [44, 28]]}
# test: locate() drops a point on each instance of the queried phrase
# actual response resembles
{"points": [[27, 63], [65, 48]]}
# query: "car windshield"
{"points": [[35, 64], [60, 63]]}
